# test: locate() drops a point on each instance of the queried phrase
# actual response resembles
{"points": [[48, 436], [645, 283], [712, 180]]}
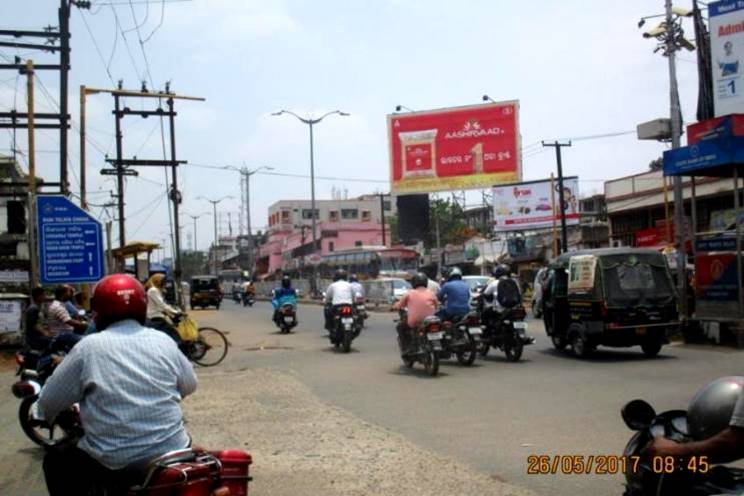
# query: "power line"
{"points": [[303, 176], [162, 18], [95, 44], [139, 2]]}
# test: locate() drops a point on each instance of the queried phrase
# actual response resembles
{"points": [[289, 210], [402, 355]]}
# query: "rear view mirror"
{"points": [[638, 414]]}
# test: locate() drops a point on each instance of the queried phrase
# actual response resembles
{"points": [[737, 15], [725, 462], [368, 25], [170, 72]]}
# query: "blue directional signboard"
{"points": [[70, 242]]}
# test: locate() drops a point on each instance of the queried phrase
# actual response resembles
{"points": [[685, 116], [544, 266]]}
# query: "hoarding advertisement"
{"points": [[727, 55], [715, 275], [454, 149], [530, 205]]}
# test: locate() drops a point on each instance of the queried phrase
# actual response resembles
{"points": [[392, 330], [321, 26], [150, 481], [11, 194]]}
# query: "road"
{"points": [[490, 416]]}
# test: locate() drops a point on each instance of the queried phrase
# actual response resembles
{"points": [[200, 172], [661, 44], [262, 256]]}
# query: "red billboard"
{"points": [[455, 148]]}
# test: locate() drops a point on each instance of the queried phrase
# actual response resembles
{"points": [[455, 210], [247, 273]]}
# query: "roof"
{"points": [[599, 252], [133, 249]]}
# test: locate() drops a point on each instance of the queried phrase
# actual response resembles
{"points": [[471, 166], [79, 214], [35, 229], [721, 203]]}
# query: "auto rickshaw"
{"points": [[617, 297], [205, 291]]}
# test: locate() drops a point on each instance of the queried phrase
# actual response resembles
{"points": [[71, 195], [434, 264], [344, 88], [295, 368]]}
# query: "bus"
{"points": [[231, 279], [371, 263]]}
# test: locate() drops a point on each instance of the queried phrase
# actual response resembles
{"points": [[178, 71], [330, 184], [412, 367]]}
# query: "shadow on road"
{"points": [[607, 356], [416, 372]]}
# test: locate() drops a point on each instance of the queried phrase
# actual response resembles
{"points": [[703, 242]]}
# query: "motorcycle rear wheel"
{"points": [[347, 342], [483, 348], [513, 350], [210, 348], [431, 363], [467, 357], [30, 425]]}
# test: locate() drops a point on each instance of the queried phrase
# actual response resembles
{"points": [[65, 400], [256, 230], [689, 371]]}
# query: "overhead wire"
{"points": [[95, 44]]}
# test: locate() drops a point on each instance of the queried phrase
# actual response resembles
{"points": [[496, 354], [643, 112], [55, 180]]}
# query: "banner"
{"points": [[529, 205], [727, 55], [715, 275], [455, 148]]}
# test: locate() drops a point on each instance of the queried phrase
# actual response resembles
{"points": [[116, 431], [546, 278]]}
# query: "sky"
{"points": [[577, 68]]}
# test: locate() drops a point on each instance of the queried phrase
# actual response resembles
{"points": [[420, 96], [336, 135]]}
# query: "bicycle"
{"points": [[205, 346]]}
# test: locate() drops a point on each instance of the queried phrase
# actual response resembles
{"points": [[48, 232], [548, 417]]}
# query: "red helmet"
{"points": [[118, 297]]}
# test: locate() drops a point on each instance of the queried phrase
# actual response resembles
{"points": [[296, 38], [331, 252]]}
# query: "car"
{"points": [[543, 206]]}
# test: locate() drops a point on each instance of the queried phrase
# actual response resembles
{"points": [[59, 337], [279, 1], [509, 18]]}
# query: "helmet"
{"points": [[286, 281], [500, 270], [118, 297], [340, 274], [419, 280], [353, 278], [710, 410], [455, 273]]}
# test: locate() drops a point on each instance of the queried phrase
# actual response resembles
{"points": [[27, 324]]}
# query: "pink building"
{"points": [[340, 225]]}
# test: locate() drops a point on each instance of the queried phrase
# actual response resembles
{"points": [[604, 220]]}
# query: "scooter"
{"points": [[286, 318]]}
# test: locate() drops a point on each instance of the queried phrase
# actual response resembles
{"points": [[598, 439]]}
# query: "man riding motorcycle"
{"points": [[340, 292], [281, 296], [715, 421], [492, 302], [420, 303], [128, 381], [248, 289], [356, 286], [455, 294]]}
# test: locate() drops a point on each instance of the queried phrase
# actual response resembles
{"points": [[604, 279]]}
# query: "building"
{"points": [[15, 261], [340, 224], [638, 207]]}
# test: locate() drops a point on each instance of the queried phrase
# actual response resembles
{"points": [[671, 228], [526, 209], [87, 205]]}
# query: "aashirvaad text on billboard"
{"points": [[530, 205], [454, 148], [727, 55]]}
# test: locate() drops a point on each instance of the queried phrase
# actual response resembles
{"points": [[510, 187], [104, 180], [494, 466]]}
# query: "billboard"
{"points": [[454, 148], [727, 55], [532, 205]]}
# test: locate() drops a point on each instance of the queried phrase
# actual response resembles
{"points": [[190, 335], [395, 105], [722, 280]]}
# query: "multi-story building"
{"points": [[340, 225]]}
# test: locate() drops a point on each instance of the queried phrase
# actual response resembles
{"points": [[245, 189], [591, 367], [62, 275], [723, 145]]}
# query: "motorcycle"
{"points": [[425, 343], [236, 296], [505, 331], [361, 309], [644, 476], [462, 338], [346, 327], [286, 318], [249, 299]]}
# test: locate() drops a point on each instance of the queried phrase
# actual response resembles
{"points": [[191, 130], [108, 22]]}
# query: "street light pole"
{"points": [[311, 123], [214, 208]]}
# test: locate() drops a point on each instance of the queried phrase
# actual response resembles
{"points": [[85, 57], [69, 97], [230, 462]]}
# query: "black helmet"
{"points": [[339, 275], [710, 410], [455, 274], [353, 278], [286, 281], [419, 280], [500, 270]]}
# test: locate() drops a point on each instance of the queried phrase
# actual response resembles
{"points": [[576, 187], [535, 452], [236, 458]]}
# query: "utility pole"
{"points": [[561, 201], [679, 206], [33, 254], [64, 62], [382, 218], [119, 173]]}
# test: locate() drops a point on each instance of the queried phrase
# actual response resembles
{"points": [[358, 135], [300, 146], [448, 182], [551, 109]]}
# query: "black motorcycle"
{"points": [[236, 296], [361, 309], [462, 338], [346, 326], [667, 476], [249, 299], [422, 344], [504, 330], [286, 318]]}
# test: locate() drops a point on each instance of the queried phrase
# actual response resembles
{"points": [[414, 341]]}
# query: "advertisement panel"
{"points": [[727, 55], [529, 205], [455, 148], [715, 275]]}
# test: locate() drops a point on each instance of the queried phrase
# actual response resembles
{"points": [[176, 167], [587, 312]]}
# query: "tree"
{"points": [[393, 223], [452, 226], [656, 164], [193, 263]]}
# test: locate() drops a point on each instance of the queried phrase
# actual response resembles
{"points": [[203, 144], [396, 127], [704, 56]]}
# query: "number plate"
{"points": [[347, 320], [520, 325], [288, 319], [433, 336], [475, 330]]}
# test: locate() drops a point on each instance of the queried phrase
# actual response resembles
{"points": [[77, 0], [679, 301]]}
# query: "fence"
{"points": [[379, 294]]}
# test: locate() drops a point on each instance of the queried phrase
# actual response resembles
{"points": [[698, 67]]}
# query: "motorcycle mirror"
{"points": [[638, 415]]}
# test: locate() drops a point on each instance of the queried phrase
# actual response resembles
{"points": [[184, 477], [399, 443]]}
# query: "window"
{"points": [[333, 216], [331, 246], [357, 243], [386, 205], [285, 216], [307, 213], [349, 213], [366, 216]]}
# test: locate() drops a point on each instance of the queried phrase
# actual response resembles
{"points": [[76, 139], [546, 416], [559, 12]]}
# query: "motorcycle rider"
{"points": [[356, 286], [340, 292], [282, 295], [248, 289], [420, 304], [128, 381], [725, 436], [58, 318], [492, 303], [159, 313], [455, 294]]}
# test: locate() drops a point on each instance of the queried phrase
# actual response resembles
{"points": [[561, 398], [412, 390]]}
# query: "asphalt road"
{"points": [[492, 415]]}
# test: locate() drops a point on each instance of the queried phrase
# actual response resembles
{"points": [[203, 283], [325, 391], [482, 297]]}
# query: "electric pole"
{"points": [[561, 201]]}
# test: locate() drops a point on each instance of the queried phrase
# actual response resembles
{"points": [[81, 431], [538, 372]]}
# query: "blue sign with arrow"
{"points": [[70, 242]]}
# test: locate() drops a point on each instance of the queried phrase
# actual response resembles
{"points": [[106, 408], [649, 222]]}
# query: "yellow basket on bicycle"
{"points": [[187, 329]]}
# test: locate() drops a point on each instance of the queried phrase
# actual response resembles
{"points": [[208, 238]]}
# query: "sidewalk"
{"points": [[302, 446]]}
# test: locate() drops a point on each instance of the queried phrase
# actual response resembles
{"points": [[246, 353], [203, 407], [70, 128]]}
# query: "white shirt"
{"points": [[156, 305], [358, 289], [340, 293]]}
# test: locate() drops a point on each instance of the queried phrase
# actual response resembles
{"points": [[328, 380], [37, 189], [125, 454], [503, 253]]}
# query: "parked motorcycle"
{"points": [[506, 331], [672, 476], [462, 338], [286, 318], [425, 343], [346, 327]]}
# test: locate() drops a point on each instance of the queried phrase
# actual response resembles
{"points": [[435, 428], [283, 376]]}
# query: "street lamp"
{"points": [[487, 98], [194, 217], [310, 123], [247, 173], [398, 108], [214, 206]]}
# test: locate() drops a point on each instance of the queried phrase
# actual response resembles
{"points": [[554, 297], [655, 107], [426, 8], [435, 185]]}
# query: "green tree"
{"points": [[193, 263], [452, 226]]}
